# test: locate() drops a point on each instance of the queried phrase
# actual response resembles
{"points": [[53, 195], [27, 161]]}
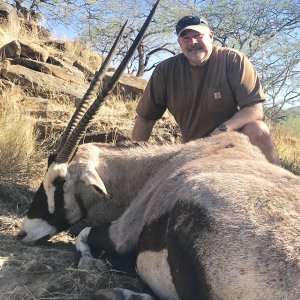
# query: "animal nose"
{"points": [[21, 235]]}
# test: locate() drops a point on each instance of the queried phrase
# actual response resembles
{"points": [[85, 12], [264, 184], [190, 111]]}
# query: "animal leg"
{"points": [[96, 237], [186, 224], [81, 244]]}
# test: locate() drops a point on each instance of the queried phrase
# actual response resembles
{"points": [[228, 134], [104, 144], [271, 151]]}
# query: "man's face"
{"points": [[196, 46]]}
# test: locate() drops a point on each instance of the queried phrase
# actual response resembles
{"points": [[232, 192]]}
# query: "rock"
{"points": [[60, 45], [95, 61], [109, 136], [90, 73], [68, 74], [9, 24], [78, 50], [44, 85], [66, 64], [36, 30], [32, 64], [57, 58], [33, 51], [10, 50], [129, 86]]}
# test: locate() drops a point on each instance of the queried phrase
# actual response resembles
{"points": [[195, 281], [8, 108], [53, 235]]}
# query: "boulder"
{"points": [[9, 24], [67, 65], [44, 85], [59, 72], [129, 86], [89, 73], [34, 51], [10, 50], [78, 50]]}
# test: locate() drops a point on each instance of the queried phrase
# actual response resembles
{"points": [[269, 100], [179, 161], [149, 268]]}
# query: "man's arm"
{"points": [[245, 115], [142, 129]]}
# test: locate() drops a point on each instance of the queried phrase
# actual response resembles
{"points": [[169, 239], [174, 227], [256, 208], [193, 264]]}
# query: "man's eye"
{"points": [[196, 36]]}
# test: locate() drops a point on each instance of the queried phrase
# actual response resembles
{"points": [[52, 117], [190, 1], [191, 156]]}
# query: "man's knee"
{"points": [[259, 135], [257, 131]]}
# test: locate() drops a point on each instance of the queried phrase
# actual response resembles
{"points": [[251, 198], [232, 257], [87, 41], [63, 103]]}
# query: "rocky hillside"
{"points": [[48, 70]]}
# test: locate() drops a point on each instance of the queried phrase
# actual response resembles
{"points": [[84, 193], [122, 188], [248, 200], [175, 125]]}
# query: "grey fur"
{"points": [[252, 251]]}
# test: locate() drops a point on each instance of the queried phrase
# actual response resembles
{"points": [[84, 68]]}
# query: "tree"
{"points": [[101, 30], [267, 31]]}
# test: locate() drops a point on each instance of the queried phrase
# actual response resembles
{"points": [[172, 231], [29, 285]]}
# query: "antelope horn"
{"points": [[72, 142], [91, 93]]}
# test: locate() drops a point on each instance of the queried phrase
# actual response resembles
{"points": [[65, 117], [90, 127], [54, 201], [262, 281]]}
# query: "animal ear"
{"points": [[91, 178], [101, 192]]}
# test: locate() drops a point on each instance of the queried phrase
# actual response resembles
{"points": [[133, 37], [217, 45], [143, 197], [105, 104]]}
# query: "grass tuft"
{"points": [[287, 142], [17, 137]]}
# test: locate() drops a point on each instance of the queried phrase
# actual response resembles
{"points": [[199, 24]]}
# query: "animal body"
{"points": [[210, 219]]}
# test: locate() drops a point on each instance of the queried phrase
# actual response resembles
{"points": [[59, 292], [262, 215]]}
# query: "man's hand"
{"points": [[245, 115]]}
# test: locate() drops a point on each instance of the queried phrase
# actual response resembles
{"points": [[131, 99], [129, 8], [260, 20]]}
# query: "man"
{"points": [[208, 89]]}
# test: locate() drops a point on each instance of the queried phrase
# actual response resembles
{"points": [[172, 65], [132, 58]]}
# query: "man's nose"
{"points": [[194, 40]]}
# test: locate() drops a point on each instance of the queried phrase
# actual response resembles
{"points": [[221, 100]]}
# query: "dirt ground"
{"points": [[50, 271]]}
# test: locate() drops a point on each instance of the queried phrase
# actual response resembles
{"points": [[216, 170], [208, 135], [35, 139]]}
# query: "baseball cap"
{"points": [[190, 22]]}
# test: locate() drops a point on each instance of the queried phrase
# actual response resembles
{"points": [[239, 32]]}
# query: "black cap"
{"points": [[190, 22]]}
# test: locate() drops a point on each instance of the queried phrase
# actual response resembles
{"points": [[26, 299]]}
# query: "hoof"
{"points": [[90, 263]]}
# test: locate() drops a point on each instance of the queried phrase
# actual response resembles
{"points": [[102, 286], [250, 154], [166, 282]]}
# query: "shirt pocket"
{"points": [[220, 99]]}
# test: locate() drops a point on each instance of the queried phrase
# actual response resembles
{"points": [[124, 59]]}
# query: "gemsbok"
{"points": [[210, 219]]}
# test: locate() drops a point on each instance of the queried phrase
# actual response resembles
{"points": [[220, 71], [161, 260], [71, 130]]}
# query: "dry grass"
{"points": [[76, 49], [17, 138], [288, 146], [50, 271]]}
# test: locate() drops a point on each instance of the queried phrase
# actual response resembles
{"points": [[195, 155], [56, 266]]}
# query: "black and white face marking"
{"points": [[35, 230], [59, 202], [46, 214]]}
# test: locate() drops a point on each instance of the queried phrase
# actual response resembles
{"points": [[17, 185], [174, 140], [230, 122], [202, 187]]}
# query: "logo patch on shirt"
{"points": [[217, 95]]}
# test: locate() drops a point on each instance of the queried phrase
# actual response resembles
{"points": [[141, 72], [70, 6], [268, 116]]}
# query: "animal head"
{"points": [[57, 203]]}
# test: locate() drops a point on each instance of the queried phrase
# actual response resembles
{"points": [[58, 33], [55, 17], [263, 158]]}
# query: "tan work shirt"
{"points": [[201, 98]]}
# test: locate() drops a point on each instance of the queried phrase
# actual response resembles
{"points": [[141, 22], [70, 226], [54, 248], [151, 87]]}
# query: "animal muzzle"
{"points": [[35, 231]]}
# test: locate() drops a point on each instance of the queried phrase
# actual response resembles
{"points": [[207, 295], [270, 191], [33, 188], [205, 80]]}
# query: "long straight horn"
{"points": [[71, 144], [91, 93]]}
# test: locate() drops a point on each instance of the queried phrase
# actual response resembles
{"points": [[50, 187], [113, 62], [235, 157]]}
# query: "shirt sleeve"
{"points": [[244, 81], [153, 104]]}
